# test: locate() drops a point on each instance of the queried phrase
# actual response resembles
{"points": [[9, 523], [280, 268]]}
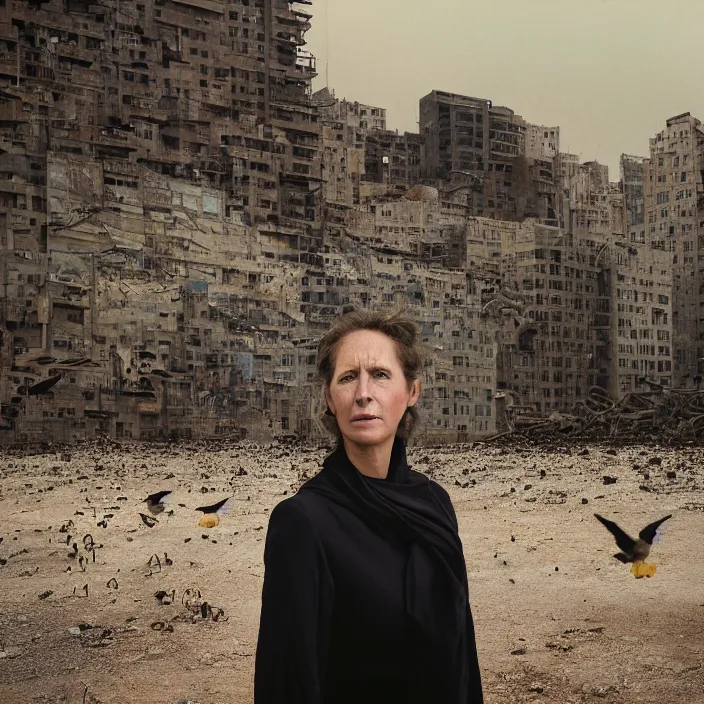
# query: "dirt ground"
{"points": [[558, 619]]}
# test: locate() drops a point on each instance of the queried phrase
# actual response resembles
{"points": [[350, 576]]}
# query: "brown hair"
{"points": [[396, 325]]}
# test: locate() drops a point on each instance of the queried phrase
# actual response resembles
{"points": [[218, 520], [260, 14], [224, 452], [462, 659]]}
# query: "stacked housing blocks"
{"points": [[182, 217]]}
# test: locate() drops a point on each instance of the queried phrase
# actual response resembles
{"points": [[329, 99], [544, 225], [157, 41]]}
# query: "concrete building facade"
{"points": [[542, 142], [464, 137], [181, 218], [633, 178], [393, 158], [674, 223]]}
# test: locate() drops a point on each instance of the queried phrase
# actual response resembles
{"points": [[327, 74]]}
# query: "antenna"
{"points": [[327, 48]]}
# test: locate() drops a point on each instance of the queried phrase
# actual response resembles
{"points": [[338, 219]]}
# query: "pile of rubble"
{"points": [[662, 413]]}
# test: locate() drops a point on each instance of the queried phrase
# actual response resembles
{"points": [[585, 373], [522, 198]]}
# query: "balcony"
{"points": [[72, 51], [215, 6], [148, 113], [11, 111], [8, 65], [113, 139], [8, 186]]}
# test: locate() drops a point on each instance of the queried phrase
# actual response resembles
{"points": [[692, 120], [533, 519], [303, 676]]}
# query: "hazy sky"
{"points": [[608, 72]]}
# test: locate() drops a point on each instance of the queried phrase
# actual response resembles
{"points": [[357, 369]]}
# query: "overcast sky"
{"points": [[608, 72]]}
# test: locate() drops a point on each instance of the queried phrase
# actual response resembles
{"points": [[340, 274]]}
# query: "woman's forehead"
{"points": [[367, 347]]}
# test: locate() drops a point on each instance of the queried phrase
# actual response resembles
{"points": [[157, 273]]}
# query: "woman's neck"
{"points": [[371, 460]]}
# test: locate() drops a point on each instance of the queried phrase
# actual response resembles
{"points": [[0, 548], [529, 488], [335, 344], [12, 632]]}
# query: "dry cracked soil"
{"points": [[558, 619]]}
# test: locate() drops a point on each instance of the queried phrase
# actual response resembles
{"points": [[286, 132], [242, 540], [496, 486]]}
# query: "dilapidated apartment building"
{"points": [[586, 311], [633, 180], [471, 138], [674, 223], [181, 218], [392, 158], [541, 142], [346, 126]]}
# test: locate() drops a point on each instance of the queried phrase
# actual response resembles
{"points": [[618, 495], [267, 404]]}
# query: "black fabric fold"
{"points": [[408, 510]]}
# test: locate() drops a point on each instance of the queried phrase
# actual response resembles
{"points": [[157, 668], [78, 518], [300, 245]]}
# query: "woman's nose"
{"points": [[362, 396]]}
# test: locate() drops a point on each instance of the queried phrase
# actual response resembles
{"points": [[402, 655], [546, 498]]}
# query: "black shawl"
{"points": [[408, 510]]}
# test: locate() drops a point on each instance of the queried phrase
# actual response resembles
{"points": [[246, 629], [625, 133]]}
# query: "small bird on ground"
{"points": [[156, 503], [212, 514], [634, 551]]}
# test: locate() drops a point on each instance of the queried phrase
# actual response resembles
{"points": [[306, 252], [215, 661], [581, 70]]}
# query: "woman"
{"points": [[365, 589]]}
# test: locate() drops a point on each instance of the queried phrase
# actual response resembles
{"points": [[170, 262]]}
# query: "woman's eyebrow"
{"points": [[371, 368], [347, 371]]}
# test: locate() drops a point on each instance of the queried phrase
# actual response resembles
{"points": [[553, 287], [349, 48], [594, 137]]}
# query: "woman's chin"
{"points": [[373, 433]]}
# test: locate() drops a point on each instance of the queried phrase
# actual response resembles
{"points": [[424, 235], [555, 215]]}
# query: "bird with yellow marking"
{"points": [[212, 514], [635, 551]]}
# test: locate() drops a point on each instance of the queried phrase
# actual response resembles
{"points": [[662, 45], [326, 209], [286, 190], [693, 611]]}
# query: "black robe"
{"points": [[365, 593]]}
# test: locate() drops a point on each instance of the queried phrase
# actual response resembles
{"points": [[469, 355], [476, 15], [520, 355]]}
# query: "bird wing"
{"points": [[651, 534], [159, 497], [623, 540], [224, 508], [221, 507]]}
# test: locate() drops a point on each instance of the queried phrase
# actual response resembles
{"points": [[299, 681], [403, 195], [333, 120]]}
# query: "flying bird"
{"points": [[156, 503], [211, 514], [635, 551]]}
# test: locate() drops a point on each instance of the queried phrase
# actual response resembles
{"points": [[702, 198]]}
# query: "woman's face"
{"points": [[368, 393]]}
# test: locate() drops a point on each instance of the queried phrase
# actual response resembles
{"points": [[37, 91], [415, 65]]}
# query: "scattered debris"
{"points": [[671, 414], [148, 520]]}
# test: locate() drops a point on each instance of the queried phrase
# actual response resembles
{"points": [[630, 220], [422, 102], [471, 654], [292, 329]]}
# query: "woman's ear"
{"points": [[415, 392], [329, 403]]}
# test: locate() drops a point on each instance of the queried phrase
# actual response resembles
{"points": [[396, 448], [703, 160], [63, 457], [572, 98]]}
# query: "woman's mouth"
{"points": [[364, 419]]}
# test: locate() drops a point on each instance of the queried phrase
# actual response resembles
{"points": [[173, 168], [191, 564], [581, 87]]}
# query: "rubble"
{"points": [[662, 414]]}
